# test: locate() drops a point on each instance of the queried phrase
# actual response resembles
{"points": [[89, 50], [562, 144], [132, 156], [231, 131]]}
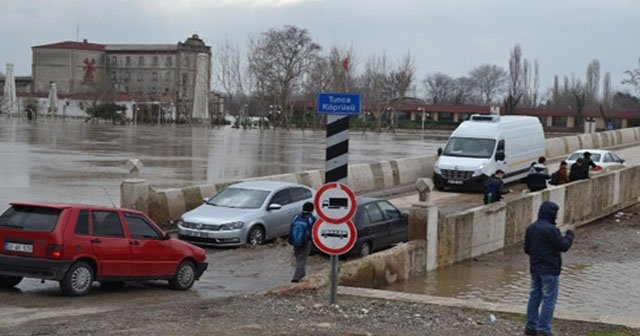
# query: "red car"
{"points": [[79, 244]]}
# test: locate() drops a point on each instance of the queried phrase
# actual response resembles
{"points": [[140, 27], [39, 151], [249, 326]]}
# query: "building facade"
{"points": [[156, 77]]}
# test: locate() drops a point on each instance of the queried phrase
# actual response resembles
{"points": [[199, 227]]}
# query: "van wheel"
{"points": [[7, 282], [255, 236], [365, 249], [78, 280], [185, 276]]}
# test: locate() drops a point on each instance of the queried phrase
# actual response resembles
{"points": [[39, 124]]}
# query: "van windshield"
{"points": [[469, 147]]}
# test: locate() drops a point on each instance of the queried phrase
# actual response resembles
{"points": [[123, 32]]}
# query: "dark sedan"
{"points": [[380, 225]]}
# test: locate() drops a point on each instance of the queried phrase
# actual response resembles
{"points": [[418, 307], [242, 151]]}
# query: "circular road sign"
{"points": [[332, 238], [335, 203]]}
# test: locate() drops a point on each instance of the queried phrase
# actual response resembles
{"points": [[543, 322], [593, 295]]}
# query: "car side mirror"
{"points": [[500, 156], [621, 160], [439, 151], [205, 200], [274, 206]]}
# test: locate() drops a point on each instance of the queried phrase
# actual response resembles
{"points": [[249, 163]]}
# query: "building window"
{"points": [[126, 89], [114, 76], [185, 78], [127, 60], [559, 121], [167, 76], [141, 60], [633, 122], [127, 76], [166, 91], [114, 60], [445, 116], [186, 61], [154, 76], [155, 61], [169, 61], [153, 89], [543, 120], [139, 76]]}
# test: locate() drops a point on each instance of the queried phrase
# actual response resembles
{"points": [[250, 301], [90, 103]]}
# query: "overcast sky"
{"points": [[449, 36]]}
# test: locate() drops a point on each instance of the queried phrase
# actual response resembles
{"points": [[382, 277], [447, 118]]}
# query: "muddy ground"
{"points": [[609, 239]]}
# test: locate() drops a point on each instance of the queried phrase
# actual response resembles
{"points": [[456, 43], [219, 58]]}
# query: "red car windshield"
{"points": [[30, 218]]}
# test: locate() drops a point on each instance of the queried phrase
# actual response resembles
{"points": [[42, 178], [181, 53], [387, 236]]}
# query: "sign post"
{"points": [[334, 208]]}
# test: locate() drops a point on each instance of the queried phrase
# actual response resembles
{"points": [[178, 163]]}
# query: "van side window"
{"points": [[82, 224], [106, 223], [500, 146]]}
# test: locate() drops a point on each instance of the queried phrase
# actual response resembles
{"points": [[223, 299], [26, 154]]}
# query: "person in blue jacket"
{"points": [[544, 244], [494, 188]]}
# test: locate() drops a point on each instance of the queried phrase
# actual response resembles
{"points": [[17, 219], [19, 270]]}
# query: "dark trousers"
{"points": [[301, 253]]}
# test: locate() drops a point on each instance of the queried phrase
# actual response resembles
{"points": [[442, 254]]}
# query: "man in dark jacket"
{"points": [[493, 188], [544, 243], [577, 171]]}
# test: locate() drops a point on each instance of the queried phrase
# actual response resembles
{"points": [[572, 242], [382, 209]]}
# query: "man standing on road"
{"points": [[544, 243], [300, 238]]}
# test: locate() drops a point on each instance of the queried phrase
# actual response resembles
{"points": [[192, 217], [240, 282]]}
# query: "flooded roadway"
{"points": [[73, 161]]}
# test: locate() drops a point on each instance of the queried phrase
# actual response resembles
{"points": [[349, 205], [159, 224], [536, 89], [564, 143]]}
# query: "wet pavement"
{"points": [[79, 162]]}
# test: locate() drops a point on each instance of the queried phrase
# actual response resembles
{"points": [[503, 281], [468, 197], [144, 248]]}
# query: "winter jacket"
{"points": [[560, 176], [543, 242], [537, 177], [577, 172], [493, 190]]}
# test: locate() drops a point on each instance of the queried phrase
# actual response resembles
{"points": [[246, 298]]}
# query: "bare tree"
{"points": [[462, 90], [633, 77], [281, 57], [490, 80], [580, 98], [592, 83], [400, 82], [231, 77], [373, 85], [535, 87], [439, 87], [515, 80], [607, 92]]}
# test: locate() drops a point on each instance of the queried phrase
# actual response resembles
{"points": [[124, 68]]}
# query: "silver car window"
{"points": [[282, 197], [299, 194], [239, 198]]}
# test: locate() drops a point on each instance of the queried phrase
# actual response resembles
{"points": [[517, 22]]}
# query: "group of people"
{"points": [[538, 177]]}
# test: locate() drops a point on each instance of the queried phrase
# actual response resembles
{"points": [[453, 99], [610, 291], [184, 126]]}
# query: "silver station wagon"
{"points": [[245, 213]]}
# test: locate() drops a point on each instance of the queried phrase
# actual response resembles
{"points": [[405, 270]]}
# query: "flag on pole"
{"points": [[345, 64]]}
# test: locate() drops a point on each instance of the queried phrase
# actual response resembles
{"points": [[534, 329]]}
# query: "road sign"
{"points": [[339, 103], [335, 203], [334, 239]]}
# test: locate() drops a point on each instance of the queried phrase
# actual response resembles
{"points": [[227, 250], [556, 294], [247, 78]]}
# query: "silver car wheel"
{"points": [[256, 236], [81, 279], [186, 275]]}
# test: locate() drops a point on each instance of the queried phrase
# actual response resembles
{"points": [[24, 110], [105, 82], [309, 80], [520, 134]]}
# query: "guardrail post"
{"points": [[425, 187], [134, 191]]}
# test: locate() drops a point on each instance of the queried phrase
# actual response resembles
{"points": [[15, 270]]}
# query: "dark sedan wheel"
{"points": [[7, 282], [78, 280], [185, 276], [255, 236]]}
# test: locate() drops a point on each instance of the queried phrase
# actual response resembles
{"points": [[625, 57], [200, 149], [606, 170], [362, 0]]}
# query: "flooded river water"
{"points": [[73, 161]]}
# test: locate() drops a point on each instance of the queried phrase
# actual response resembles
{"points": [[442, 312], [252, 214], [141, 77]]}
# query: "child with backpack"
{"points": [[300, 239]]}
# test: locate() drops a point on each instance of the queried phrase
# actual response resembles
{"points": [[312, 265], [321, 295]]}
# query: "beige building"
{"points": [[157, 77]]}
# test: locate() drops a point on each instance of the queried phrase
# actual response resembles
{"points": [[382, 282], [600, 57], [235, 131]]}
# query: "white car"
{"points": [[606, 159]]}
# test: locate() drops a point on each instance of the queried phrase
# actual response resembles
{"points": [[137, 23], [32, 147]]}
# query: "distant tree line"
{"points": [[285, 64]]}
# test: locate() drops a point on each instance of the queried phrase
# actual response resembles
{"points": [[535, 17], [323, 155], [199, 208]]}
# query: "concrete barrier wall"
{"points": [[470, 233], [168, 204]]}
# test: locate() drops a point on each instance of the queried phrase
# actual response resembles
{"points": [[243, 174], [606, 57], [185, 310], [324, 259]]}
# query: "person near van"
{"points": [[300, 238], [577, 171], [560, 176], [494, 188], [544, 244], [538, 175]]}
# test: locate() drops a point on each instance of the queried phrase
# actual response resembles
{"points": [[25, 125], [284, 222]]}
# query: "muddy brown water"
{"points": [[79, 162], [600, 276]]}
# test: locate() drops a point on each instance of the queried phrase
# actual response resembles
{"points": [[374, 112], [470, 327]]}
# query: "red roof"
{"points": [[72, 45]]}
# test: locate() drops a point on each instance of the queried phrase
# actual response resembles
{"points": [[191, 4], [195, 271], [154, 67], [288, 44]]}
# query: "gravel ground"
{"points": [[308, 313], [299, 314]]}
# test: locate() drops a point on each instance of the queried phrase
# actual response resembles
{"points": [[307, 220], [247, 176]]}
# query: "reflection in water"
{"points": [[73, 161], [602, 288]]}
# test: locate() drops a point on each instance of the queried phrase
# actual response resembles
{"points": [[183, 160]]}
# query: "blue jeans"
{"points": [[544, 289]]}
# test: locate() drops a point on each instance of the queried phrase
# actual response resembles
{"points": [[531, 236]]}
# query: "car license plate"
{"points": [[455, 182], [15, 247]]}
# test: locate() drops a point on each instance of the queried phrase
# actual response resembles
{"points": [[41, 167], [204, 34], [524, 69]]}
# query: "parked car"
{"points": [[245, 213], [78, 244], [379, 223], [606, 159]]}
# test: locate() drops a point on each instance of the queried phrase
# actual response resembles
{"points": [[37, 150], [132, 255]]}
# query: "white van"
{"points": [[484, 144]]}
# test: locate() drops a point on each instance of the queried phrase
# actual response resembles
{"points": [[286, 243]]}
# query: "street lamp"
{"points": [[421, 109]]}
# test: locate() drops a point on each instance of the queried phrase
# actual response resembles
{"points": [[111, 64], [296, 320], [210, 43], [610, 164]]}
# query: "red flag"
{"points": [[345, 64]]}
